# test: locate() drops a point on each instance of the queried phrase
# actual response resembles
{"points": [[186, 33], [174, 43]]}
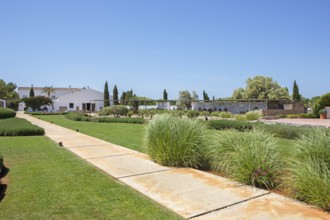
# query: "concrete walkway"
{"points": [[190, 193]]}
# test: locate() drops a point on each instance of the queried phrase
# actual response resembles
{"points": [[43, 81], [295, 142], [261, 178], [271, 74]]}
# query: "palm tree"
{"points": [[48, 90]]}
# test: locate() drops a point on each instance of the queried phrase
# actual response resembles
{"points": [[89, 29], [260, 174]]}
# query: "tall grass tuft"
{"points": [[253, 115], [173, 141], [249, 157], [226, 115], [310, 169]]}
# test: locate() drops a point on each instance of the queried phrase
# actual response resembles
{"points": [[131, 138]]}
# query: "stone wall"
{"points": [[235, 107], [293, 108], [269, 108]]}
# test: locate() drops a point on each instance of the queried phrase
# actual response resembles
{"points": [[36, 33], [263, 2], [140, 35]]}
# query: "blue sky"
{"points": [[151, 45]]}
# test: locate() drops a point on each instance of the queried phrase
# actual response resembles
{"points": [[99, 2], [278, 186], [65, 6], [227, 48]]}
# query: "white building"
{"points": [[83, 100], [24, 92], [67, 99]]}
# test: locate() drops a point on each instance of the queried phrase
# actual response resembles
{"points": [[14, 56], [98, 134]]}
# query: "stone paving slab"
{"points": [[98, 151], [270, 207], [127, 165], [191, 192]]}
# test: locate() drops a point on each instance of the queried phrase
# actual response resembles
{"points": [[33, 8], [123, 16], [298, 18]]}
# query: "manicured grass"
{"points": [[19, 127], [127, 135], [48, 182]]}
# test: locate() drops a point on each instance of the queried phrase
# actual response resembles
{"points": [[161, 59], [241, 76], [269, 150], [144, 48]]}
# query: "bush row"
{"points": [[19, 127], [46, 113], [278, 130], [84, 117], [7, 113], [252, 157]]}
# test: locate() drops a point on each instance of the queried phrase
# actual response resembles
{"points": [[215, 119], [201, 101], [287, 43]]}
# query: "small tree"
{"points": [[295, 94], [115, 95], [36, 102], [165, 95], [322, 102], [31, 92], [185, 99], [106, 95]]}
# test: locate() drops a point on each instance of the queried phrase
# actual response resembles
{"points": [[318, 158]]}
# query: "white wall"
{"points": [[77, 99]]}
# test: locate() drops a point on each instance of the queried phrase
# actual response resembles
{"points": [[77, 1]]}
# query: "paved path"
{"points": [[190, 193], [302, 122]]}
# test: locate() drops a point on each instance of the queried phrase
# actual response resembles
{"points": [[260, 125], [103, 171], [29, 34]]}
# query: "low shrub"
{"points": [[75, 116], [105, 111], [253, 115], [309, 115], [116, 110], [240, 117], [192, 114], [46, 113], [226, 115], [172, 141], [283, 131], [7, 113], [230, 124], [215, 114], [119, 120], [249, 157], [19, 127], [310, 169]]}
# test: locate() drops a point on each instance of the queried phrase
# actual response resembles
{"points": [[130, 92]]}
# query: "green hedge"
{"points": [[278, 130], [230, 124], [78, 116], [7, 113], [19, 127], [84, 117], [46, 113], [119, 120]]}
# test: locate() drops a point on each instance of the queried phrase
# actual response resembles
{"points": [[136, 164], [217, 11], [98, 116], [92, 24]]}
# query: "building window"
{"points": [[71, 105]]}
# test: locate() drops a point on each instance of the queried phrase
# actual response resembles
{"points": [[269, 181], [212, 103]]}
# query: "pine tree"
{"points": [[295, 94], [115, 95], [165, 95], [31, 92], [106, 95]]}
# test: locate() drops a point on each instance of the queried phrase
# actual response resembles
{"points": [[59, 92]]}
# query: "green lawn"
{"points": [[127, 135], [48, 182]]}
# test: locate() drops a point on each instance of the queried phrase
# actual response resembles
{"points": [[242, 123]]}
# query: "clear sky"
{"points": [[151, 45]]}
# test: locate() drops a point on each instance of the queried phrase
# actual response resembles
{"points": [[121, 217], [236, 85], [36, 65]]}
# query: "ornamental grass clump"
{"points": [[180, 142], [249, 157], [310, 169]]}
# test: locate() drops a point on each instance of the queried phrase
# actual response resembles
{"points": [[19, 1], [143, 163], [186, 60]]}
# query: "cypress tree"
{"points": [[106, 95], [165, 95], [205, 96], [122, 98], [295, 94], [31, 92], [115, 95]]}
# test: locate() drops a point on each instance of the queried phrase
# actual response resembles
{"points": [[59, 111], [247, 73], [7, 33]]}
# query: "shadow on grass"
{"points": [[3, 187]]}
